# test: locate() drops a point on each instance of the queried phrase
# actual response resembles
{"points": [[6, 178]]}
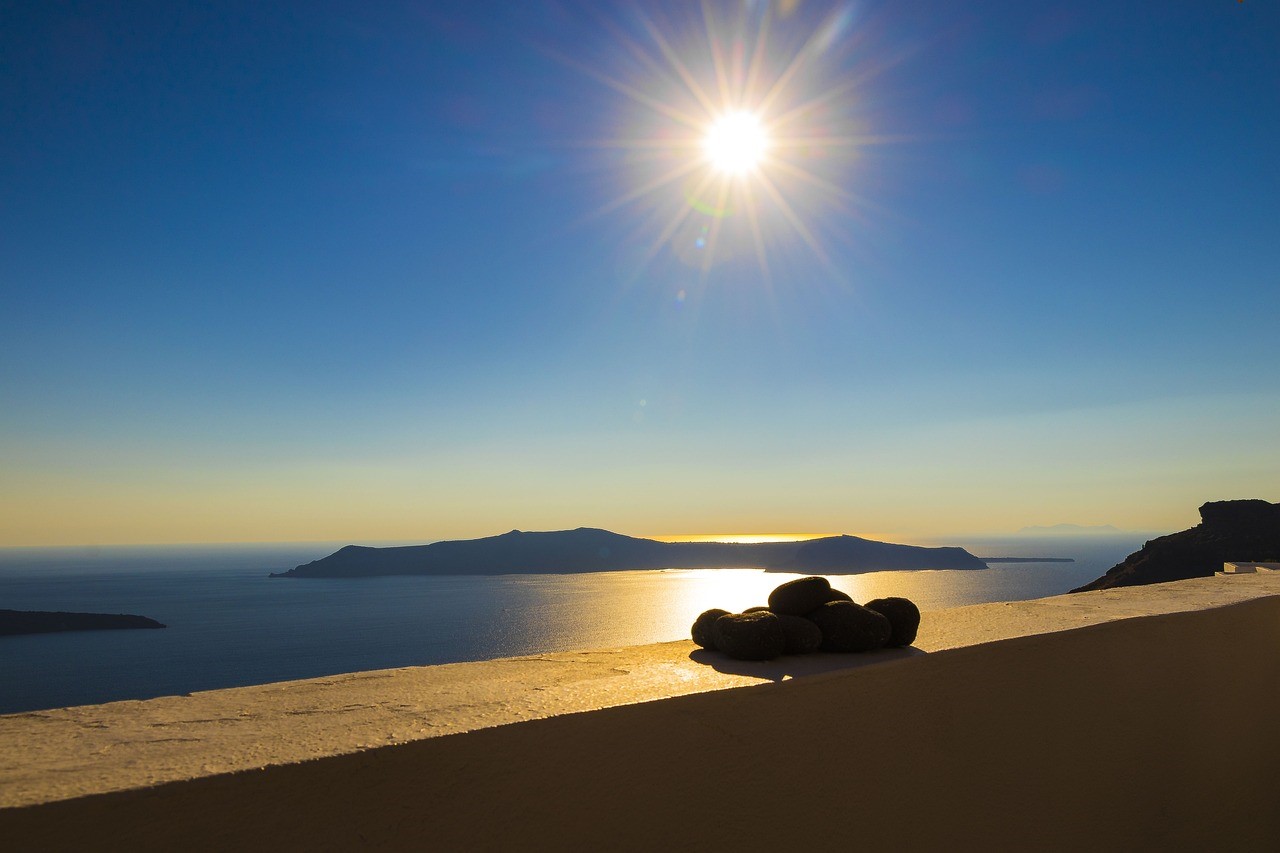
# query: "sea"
{"points": [[230, 625]]}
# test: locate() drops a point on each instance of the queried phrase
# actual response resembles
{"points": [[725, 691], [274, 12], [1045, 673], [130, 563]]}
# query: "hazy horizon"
{"points": [[310, 272], [957, 537]]}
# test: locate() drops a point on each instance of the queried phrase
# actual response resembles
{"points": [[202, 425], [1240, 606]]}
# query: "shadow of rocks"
{"points": [[799, 666]]}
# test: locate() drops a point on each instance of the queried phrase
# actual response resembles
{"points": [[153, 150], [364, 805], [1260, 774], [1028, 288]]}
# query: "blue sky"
{"points": [[312, 271]]}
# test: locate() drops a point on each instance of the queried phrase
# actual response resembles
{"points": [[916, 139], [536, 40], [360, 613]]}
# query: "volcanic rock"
{"points": [[800, 596], [750, 636], [847, 627], [1247, 530], [903, 616], [802, 636], [704, 627]]}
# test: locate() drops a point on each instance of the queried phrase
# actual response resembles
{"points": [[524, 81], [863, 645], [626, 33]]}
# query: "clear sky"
{"points": [[422, 270]]}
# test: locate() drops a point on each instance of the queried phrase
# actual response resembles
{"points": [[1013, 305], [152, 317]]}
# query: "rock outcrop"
{"points": [[1247, 530]]}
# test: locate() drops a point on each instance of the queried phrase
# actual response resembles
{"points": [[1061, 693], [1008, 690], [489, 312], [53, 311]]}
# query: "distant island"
{"points": [[592, 550], [14, 622], [1247, 530], [1071, 530]]}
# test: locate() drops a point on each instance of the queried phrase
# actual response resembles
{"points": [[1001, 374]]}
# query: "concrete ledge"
{"points": [[1248, 568], [1042, 735]]}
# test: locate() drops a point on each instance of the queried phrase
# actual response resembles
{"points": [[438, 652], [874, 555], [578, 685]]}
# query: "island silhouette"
{"points": [[589, 549], [15, 622]]}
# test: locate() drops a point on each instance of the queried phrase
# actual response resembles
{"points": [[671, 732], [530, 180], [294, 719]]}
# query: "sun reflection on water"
{"points": [[529, 614], [695, 590]]}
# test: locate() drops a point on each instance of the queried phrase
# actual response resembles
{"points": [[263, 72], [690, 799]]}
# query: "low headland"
{"points": [[15, 622], [592, 550]]}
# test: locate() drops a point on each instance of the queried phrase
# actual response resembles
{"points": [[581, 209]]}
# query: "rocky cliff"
{"points": [[1247, 530]]}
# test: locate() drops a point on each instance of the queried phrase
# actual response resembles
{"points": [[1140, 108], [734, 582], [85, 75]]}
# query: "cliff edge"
{"points": [[1246, 530]]}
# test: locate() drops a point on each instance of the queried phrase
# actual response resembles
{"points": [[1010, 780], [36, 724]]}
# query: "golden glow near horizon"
{"points": [[736, 143], [742, 538]]}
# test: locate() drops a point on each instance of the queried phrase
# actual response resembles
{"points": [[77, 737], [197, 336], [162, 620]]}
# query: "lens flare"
{"points": [[742, 129]]}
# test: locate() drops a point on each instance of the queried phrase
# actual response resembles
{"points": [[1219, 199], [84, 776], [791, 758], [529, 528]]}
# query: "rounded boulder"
{"points": [[848, 627], [703, 630], [798, 597], [903, 616], [802, 636], [750, 636]]}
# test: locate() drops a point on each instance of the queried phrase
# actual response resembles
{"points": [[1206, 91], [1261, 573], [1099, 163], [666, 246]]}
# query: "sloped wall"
{"points": [[1156, 733]]}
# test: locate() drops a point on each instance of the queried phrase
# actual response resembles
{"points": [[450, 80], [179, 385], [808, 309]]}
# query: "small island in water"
{"points": [[589, 549], [14, 622]]}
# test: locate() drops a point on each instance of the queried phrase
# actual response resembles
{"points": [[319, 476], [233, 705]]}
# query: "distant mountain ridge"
{"points": [[1071, 530], [589, 549]]}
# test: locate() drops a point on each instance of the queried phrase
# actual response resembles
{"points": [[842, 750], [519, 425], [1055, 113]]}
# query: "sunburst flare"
{"points": [[743, 132]]}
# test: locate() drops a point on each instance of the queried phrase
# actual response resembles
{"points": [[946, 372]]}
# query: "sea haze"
{"points": [[231, 625]]}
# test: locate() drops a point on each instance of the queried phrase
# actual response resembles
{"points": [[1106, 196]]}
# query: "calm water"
{"points": [[231, 625]]}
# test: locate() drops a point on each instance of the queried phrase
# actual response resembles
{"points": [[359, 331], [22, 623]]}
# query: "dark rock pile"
{"points": [[807, 615]]}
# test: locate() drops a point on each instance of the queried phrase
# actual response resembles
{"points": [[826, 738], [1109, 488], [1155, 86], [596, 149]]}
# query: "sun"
{"points": [[736, 143], [746, 131]]}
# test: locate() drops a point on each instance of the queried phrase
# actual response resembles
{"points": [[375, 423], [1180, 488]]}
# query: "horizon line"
{"points": [[731, 538]]}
